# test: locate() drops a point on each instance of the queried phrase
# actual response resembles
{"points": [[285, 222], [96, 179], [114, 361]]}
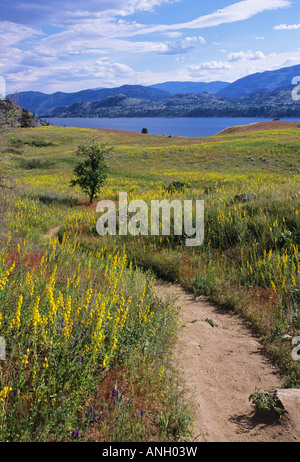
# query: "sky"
{"points": [[71, 45]]}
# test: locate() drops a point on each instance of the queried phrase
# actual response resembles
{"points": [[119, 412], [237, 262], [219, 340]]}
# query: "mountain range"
{"points": [[266, 94], [41, 103]]}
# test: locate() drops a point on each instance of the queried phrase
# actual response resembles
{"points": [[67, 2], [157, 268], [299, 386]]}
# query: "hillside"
{"points": [[15, 116]]}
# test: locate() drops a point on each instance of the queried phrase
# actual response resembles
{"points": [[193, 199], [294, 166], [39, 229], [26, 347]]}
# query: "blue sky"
{"points": [[65, 45]]}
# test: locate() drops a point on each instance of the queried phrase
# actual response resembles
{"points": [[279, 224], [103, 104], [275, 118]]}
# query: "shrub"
{"points": [[204, 284], [266, 401], [175, 186]]}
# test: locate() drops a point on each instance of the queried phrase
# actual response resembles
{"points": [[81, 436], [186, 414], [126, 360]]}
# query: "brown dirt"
{"points": [[272, 125], [221, 367]]}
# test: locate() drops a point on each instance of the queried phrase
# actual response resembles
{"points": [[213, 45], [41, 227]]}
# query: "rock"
{"points": [[290, 399]]}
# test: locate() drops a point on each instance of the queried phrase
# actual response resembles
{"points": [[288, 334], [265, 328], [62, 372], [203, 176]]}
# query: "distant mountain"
{"points": [[269, 80], [191, 87], [41, 103], [265, 103]]}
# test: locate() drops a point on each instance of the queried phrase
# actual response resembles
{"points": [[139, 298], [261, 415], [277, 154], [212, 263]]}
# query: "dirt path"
{"points": [[221, 365], [53, 232]]}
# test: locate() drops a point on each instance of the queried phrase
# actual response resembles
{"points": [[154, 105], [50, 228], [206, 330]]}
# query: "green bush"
{"points": [[266, 401], [204, 284], [175, 186]]}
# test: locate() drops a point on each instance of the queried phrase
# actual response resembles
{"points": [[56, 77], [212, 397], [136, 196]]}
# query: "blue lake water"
{"points": [[163, 126]]}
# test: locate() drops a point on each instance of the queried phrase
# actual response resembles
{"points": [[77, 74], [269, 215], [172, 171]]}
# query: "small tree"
{"points": [[91, 173], [144, 130], [26, 119]]}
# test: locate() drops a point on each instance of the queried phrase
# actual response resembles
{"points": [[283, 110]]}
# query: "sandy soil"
{"points": [[221, 366]]}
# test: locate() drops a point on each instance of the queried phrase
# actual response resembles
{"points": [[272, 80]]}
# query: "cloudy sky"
{"points": [[71, 45]]}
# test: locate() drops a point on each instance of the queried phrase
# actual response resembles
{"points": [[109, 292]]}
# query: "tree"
{"points": [[144, 130], [26, 119], [91, 173]]}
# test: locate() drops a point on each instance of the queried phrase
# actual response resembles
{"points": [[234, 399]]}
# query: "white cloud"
{"points": [[173, 34], [11, 33], [73, 76], [182, 46], [81, 40], [95, 43], [238, 11], [287, 27], [210, 65], [107, 70], [66, 12], [70, 76], [245, 55]]}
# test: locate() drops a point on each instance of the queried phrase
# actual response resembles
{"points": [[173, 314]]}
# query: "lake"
{"points": [[162, 126]]}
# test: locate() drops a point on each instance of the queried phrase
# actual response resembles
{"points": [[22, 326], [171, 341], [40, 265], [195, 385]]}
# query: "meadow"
{"points": [[88, 342]]}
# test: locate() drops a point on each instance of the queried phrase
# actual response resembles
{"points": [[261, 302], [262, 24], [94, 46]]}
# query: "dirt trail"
{"points": [[221, 365], [53, 232]]}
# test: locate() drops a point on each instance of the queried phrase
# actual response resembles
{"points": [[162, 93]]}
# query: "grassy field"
{"points": [[88, 342]]}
